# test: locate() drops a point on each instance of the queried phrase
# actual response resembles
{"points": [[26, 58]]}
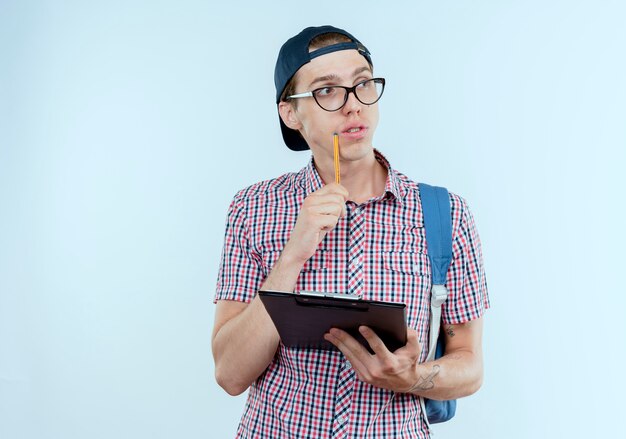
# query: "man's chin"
{"points": [[356, 150]]}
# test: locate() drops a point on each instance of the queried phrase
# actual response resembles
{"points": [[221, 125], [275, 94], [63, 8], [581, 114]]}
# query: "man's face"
{"points": [[355, 122]]}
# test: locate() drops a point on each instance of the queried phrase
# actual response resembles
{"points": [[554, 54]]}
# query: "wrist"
{"points": [[424, 378], [291, 258], [284, 273]]}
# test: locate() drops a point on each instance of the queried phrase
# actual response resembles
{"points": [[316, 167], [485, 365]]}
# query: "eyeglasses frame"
{"points": [[348, 90]]}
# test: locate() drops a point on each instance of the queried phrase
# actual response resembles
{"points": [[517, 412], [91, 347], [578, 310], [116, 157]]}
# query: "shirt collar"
{"points": [[393, 186], [312, 179]]}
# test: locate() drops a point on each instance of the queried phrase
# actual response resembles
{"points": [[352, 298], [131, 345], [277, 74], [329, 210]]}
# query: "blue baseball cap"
{"points": [[293, 55]]}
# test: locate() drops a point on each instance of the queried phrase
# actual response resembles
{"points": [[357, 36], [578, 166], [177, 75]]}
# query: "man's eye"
{"points": [[365, 84], [325, 92]]}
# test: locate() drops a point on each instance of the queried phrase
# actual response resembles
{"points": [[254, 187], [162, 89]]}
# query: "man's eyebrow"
{"points": [[334, 77], [331, 77], [361, 70]]}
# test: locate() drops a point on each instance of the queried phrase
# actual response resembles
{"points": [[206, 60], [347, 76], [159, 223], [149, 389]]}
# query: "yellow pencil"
{"points": [[336, 154]]}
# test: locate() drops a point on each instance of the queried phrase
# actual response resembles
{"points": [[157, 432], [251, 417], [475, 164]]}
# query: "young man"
{"points": [[365, 236]]}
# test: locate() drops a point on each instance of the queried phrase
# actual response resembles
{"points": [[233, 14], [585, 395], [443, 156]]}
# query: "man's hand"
{"points": [[397, 371], [319, 214], [455, 375]]}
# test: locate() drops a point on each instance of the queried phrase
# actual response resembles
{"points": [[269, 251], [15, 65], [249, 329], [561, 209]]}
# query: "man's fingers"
{"points": [[377, 345], [412, 339], [327, 209], [390, 370], [318, 215], [323, 221], [351, 349], [334, 188], [316, 199], [413, 345]]}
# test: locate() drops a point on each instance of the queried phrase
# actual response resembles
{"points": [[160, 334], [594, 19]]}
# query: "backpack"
{"points": [[438, 225]]}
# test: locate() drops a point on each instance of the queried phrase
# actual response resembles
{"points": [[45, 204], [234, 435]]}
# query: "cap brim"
{"points": [[292, 138]]}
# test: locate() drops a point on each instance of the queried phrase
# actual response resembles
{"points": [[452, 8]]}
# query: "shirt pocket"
{"points": [[390, 237], [406, 262]]}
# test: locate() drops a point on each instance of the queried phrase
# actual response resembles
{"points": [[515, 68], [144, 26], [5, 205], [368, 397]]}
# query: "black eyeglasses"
{"points": [[334, 97]]}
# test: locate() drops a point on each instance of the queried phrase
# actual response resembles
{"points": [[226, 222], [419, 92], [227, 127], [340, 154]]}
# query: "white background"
{"points": [[127, 127]]}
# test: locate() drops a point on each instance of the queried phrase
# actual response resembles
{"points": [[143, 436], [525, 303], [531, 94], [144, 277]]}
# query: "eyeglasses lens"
{"points": [[369, 91]]}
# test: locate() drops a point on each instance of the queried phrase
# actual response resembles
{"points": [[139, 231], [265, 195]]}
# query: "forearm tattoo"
{"points": [[427, 382], [449, 331]]}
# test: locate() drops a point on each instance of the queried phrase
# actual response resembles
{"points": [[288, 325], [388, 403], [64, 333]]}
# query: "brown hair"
{"points": [[318, 42]]}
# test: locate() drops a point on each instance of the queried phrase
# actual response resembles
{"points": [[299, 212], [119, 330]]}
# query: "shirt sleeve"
{"points": [[466, 282], [240, 273]]}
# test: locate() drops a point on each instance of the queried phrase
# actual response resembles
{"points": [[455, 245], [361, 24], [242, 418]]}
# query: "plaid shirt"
{"points": [[377, 251]]}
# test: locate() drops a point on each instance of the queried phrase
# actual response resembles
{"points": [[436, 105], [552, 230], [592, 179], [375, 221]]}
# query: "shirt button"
{"points": [[347, 364], [342, 419]]}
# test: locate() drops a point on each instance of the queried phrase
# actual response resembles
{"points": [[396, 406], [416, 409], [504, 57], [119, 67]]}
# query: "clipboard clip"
{"points": [[323, 302], [346, 296]]}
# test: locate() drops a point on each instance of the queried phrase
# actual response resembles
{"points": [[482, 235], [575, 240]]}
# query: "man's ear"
{"points": [[288, 115]]}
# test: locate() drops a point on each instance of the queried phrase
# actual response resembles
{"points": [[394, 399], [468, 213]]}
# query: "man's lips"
{"points": [[352, 126], [354, 132]]}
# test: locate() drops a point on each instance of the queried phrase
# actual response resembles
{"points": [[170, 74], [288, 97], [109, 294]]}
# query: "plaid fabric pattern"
{"points": [[377, 251]]}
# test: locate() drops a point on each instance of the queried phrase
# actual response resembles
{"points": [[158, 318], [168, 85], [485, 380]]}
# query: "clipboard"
{"points": [[303, 318]]}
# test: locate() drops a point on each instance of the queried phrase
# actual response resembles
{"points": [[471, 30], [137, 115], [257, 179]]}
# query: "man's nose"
{"points": [[353, 105]]}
